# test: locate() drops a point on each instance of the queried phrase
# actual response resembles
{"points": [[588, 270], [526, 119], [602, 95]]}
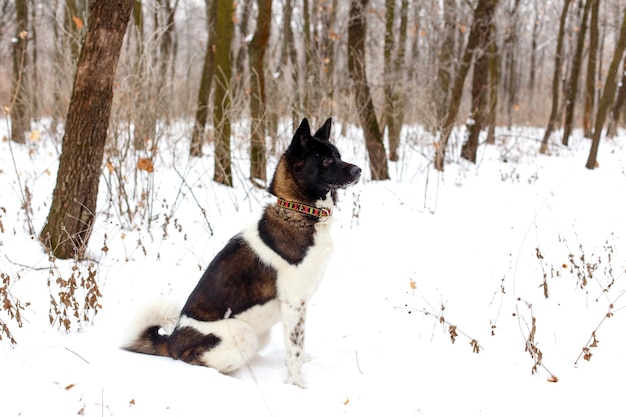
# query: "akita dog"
{"points": [[265, 274]]}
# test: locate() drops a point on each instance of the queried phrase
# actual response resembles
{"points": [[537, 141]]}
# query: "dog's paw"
{"points": [[296, 382]]}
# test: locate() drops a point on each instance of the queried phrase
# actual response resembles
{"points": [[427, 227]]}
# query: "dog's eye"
{"points": [[328, 161]]}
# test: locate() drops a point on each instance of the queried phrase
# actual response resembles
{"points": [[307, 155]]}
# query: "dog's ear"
{"points": [[301, 137], [324, 131]]}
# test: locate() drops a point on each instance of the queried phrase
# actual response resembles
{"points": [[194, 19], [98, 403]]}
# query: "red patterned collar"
{"points": [[320, 213]]}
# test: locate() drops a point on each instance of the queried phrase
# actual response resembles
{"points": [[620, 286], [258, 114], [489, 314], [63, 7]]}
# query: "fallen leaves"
{"points": [[145, 164]]}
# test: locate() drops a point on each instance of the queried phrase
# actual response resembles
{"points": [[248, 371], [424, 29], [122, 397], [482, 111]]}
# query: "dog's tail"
{"points": [[149, 331]]}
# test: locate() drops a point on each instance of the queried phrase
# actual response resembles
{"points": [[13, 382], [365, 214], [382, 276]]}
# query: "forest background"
{"points": [[382, 64]]}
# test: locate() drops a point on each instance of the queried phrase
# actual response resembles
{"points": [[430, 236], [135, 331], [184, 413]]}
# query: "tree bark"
{"points": [[445, 64], [572, 85], [221, 107], [208, 72], [494, 77], [73, 208], [357, 31], [620, 101], [556, 78], [256, 54], [511, 83], [20, 120], [590, 84], [459, 79], [480, 81], [394, 61], [607, 95]]}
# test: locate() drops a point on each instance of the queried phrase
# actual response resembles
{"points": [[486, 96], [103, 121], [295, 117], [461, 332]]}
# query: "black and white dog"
{"points": [[265, 274]]}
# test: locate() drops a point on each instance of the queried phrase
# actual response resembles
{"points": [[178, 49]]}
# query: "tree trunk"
{"points": [[256, 53], [607, 95], [388, 71], [140, 80], [590, 84], [459, 79], [533, 53], [445, 65], [510, 72], [620, 101], [480, 82], [20, 120], [242, 53], [221, 107], [35, 110], [208, 72], [493, 87], [556, 78], [330, 39], [394, 61], [357, 31], [572, 85], [73, 208]]}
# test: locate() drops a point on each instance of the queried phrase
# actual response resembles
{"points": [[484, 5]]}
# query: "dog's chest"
{"points": [[296, 283]]}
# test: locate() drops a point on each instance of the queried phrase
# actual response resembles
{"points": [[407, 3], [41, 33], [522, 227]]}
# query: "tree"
{"points": [[394, 113], [20, 120], [611, 129], [357, 31], [572, 85], [511, 83], [592, 62], [556, 78], [480, 82], [608, 95], [208, 72], [445, 64], [256, 54], [221, 100], [72, 212], [480, 13]]}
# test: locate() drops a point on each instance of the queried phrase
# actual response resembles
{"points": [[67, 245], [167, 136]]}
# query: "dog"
{"points": [[265, 274]]}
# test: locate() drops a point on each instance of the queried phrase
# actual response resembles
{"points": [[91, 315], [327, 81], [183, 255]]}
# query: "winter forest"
{"points": [[133, 130]]}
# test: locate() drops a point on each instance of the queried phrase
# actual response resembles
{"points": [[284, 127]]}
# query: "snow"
{"points": [[475, 240]]}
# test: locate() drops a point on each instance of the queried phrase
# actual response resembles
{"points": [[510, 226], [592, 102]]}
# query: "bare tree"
{"points": [[394, 62], [480, 82], [608, 94], [73, 207], [620, 101], [256, 51], [357, 31], [592, 63], [221, 101], [480, 13], [208, 72], [20, 119], [556, 78], [445, 64], [572, 85]]}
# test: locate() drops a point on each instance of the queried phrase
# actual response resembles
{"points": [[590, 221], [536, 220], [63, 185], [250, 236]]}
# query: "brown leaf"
{"points": [[553, 378], [78, 22], [145, 164], [69, 387]]}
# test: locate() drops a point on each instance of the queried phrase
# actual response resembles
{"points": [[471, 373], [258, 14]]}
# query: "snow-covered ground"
{"points": [[420, 258]]}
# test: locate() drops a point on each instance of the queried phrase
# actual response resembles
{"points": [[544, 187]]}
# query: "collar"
{"points": [[320, 213]]}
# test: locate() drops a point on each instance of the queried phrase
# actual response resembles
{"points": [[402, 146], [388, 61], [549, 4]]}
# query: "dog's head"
{"points": [[314, 165]]}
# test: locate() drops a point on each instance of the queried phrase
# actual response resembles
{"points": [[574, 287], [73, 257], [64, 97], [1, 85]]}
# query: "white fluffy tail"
{"points": [[162, 313]]}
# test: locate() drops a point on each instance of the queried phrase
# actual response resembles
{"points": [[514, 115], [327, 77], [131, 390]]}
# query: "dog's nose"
{"points": [[355, 171]]}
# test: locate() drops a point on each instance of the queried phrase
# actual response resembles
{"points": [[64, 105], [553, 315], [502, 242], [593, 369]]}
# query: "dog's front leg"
{"points": [[293, 318]]}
